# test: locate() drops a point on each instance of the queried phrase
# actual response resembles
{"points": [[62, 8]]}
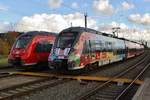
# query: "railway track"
{"points": [[110, 91], [10, 92], [92, 72], [28, 87], [4, 74]]}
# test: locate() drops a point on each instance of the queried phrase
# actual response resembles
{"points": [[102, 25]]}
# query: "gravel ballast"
{"points": [[72, 89]]}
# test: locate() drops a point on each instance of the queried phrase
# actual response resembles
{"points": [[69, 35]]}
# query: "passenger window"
{"points": [[43, 46]]}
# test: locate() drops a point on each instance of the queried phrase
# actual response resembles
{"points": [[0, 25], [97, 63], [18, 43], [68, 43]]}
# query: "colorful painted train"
{"points": [[31, 48], [78, 47]]}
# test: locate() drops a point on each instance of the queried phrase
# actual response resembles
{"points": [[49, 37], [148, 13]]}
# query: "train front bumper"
{"points": [[19, 62], [60, 64], [63, 65], [15, 61]]}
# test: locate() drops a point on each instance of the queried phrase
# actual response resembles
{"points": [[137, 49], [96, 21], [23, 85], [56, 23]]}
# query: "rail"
{"points": [[100, 86]]}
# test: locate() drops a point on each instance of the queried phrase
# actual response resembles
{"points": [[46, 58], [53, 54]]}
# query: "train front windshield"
{"points": [[22, 42], [66, 40]]}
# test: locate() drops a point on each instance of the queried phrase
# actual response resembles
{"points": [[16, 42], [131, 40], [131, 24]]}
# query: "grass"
{"points": [[3, 62]]}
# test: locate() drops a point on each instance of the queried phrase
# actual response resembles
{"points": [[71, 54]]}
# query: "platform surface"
{"points": [[143, 93]]}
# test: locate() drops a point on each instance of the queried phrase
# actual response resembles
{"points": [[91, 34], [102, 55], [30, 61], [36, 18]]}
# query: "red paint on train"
{"points": [[31, 48]]}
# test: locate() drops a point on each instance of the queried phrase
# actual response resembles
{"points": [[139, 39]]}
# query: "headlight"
{"points": [[71, 63], [51, 58]]}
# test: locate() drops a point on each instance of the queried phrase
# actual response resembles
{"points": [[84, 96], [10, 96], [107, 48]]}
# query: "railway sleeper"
{"points": [[34, 86], [109, 93], [38, 84], [100, 98], [21, 89], [27, 88], [13, 91], [105, 95], [1, 97], [44, 83], [5, 94]]}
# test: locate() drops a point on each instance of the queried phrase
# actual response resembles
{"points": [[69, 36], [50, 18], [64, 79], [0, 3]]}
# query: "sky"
{"points": [[132, 16]]}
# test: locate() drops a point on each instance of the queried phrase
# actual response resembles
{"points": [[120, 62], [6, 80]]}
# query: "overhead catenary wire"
{"points": [[84, 13]]}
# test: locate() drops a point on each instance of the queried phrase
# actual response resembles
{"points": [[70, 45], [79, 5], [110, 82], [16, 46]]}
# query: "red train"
{"points": [[78, 47], [31, 48]]}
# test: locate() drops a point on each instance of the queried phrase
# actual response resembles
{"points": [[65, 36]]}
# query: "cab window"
{"points": [[43, 46]]}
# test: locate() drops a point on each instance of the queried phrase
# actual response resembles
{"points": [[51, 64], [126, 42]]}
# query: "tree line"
{"points": [[6, 42]]}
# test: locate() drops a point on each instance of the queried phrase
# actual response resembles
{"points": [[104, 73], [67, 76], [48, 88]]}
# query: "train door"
{"points": [[43, 49], [90, 54], [86, 55], [126, 52]]}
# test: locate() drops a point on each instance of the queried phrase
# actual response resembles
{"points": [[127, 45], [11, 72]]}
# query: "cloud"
{"points": [[108, 27], [3, 8], [52, 22], [146, 0], [55, 3], [74, 5], [121, 25], [58, 22], [134, 34], [127, 5], [103, 7], [126, 32], [5, 26], [140, 19], [146, 35]]}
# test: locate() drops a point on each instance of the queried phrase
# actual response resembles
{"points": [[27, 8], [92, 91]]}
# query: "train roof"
{"points": [[83, 29], [34, 33]]}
